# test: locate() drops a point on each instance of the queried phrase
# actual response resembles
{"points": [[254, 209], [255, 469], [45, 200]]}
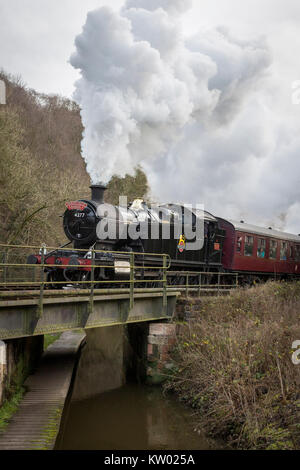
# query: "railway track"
{"points": [[9, 295]]}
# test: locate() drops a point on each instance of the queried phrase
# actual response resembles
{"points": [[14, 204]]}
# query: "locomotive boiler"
{"points": [[190, 236]]}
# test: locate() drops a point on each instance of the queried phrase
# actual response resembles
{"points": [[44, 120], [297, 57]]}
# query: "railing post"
{"points": [[236, 280], [5, 267], [187, 285], [219, 279], [91, 301], [164, 284], [199, 287], [42, 283], [33, 274], [131, 280]]}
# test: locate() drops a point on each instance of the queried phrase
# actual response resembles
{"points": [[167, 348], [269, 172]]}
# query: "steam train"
{"points": [[253, 252]]}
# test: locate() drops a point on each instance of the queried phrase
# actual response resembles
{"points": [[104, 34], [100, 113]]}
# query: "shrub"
{"points": [[235, 368]]}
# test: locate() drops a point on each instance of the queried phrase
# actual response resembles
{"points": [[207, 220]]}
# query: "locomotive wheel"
{"points": [[75, 278]]}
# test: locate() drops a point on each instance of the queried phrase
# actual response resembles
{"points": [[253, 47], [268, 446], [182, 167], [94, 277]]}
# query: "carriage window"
{"points": [[239, 244], [297, 252], [273, 249], [261, 248], [248, 246], [283, 251]]}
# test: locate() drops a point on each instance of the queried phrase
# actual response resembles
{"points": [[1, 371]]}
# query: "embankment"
{"points": [[234, 366]]}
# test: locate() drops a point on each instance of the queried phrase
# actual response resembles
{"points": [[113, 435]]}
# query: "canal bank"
{"points": [[36, 423], [237, 368]]}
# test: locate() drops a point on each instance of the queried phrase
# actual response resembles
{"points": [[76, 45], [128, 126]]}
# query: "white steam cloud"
{"points": [[189, 110]]}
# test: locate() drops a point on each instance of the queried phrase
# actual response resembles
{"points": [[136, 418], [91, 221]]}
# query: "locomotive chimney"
{"points": [[98, 192]]}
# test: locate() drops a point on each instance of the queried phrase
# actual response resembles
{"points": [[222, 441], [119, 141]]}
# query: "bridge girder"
{"points": [[22, 317]]}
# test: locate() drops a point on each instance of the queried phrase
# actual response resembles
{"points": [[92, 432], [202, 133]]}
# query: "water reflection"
{"points": [[130, 418]]}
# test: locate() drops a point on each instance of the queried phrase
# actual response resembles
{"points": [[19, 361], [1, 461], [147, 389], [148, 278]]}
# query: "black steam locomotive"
{"points": [[97, 229]]}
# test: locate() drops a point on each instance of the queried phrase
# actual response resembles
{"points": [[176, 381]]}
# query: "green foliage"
{"points": [[133, 187], [49, 339], [9, 407], [14, 393], [49, 434]]}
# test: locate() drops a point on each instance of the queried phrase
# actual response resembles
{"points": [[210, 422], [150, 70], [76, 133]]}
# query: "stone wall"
{"points": [[19, 358], [162, 338], [187, 308], [101, 364]]}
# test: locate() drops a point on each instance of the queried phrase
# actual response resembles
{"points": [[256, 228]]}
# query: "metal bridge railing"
{"points": [[15, 273], [206, 280]]}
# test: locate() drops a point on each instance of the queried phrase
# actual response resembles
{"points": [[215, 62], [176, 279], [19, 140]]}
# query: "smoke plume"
{"points": [[189, 110], [144, 85]]}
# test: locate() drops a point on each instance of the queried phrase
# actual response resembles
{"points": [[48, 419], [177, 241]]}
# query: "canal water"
{"points": [[130, 418]]}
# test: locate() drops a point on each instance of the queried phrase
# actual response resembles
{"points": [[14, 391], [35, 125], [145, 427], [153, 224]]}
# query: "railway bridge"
{"points": [[123, 324], [22, 313], [31, 304], [114, 315]]}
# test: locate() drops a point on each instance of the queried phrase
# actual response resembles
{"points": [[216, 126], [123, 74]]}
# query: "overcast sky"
{"points": [[37, 36], [247, 167]]}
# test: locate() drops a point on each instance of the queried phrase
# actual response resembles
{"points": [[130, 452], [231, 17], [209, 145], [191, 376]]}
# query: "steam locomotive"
{"points": [[170, 222], [225, 246]]}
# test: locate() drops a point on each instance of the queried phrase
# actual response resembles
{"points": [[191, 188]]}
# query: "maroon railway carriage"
{"points": [[260, 252]]}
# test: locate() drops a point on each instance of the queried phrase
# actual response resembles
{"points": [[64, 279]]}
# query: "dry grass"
{"points": [[234, 366]]}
